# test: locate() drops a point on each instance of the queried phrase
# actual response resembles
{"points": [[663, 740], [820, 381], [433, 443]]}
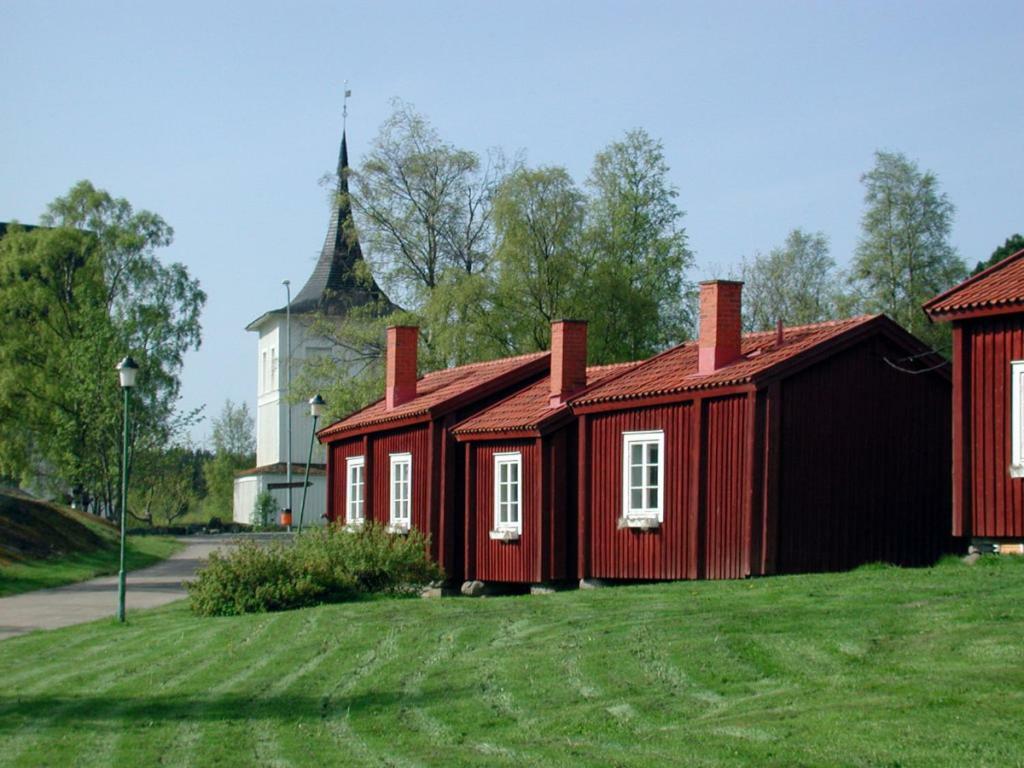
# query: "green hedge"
{"points": [[322, 565]]}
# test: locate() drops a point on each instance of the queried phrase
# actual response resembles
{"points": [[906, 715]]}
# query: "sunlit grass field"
{"points": [[878, 667]]}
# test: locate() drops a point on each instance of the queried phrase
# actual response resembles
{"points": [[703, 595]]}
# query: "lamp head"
{"points": [[317, 405], [127, 370]]}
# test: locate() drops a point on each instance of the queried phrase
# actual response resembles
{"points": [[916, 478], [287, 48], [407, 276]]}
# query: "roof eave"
{"points": [[967, 313]]}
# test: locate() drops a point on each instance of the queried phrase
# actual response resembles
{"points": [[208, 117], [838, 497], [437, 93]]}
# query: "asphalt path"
{"points": [[97, 598]]}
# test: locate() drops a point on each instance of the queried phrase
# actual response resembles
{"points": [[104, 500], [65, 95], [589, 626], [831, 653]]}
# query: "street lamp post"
{"points": [[288, 392], [316, 410], [127, 370]]}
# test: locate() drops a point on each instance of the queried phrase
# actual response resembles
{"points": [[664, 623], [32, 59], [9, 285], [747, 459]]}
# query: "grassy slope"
{"points": [[880, 667], [46, 545]]}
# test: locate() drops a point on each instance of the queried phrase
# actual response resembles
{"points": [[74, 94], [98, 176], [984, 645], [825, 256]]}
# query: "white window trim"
{"points": [[1016, 428], [648, 518], [398, 524], [508, 531], [352, 463]]}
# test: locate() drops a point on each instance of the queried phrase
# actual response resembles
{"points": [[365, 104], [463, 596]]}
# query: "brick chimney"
{"points": [[719, 342], [401, 365], [568, 359]]}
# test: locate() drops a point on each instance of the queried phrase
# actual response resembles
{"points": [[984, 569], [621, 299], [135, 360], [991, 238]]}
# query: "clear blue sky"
{"points": [[222, 118]]}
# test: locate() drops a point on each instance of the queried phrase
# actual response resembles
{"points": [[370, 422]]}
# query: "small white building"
{"points": [[332, 289]]}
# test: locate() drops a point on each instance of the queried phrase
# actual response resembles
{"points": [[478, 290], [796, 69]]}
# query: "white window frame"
{"points": [[401, 504], [509, 529], [644, 516], [1016, 413], [355, 490]]}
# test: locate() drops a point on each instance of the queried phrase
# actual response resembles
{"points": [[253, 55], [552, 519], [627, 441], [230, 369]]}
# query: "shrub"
{"points": [[325, 565], [264, 510]]}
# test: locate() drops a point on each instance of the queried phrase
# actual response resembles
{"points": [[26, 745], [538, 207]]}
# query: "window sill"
{"points": [[1016, 470], [399, 529], [355, 525], [504, 535], [639, 523]]}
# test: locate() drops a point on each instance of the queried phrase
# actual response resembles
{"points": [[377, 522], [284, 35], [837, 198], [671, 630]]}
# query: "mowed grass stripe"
{"points": [[876, 667]]}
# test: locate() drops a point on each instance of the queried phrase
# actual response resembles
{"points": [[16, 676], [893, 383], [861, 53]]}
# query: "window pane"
{"points": [[652, 498], [503, 494], [652, 453], [636, 454], [503, 473], [636, 499], [652, 475], [514, 493], [514, 472], [636, 477]]}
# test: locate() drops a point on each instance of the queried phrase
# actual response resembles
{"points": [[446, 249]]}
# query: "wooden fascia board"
{"points": [[357, 430], [682, 396], [974, 312], [497, 434]]}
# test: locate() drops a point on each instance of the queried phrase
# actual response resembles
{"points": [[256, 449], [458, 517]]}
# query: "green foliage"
{"points": [[234, 445], [904, 256], [1013, 244], [638, 253], [264, 509], [794, 283], [167, 484], [75, 297], [323, 565]]}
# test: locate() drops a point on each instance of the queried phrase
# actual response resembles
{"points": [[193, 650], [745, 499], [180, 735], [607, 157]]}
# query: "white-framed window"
{"points": [[273, 368], [508, 473], [643, 476], [355, 490], [265, 378], [401, 490], [1016, 415]]}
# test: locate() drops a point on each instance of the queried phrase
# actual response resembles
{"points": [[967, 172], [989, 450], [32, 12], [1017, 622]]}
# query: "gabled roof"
{"points": [[529, 409], [675, 370], [442, 391], [996, 290], [336, 285]]}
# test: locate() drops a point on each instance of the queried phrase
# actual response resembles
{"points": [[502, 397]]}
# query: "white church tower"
{"points": [[332, 289]]}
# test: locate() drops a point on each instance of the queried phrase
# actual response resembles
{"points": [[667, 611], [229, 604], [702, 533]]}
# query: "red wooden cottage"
{"points": [[803, 449], [987, 313], [396, 462], [520, 469]]}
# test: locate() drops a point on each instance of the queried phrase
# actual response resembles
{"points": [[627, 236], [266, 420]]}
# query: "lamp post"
{"points": [[316, 410], [288, 391], [127, 370]]}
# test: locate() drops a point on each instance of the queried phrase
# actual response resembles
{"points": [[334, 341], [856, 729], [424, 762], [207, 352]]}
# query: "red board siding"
{"points": [[864, 464], [996, 501], [336, 477], [414, 440], [725, 485], [514, 561], [630, 554]]}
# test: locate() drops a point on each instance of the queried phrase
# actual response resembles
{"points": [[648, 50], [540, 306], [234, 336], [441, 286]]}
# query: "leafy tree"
{"points": [[639, 254], [167, 484], [234, 446], [76, 296], [793, 283], [904, 256], [539, 266], [1013, 244], [264, 509]]}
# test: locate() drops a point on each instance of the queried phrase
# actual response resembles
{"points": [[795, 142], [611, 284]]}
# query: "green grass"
{"points": [[140, 551], [879, 667]]}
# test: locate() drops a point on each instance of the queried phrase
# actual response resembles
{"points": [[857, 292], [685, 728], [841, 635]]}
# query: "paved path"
{"points": [[97, 598]]}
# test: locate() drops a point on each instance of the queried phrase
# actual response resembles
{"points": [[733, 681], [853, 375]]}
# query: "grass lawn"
{"points": [[879, 667], [140, 551]]}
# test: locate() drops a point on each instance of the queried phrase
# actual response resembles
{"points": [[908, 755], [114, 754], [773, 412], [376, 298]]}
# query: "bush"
{"points": [[325, 565], [264, 511]]}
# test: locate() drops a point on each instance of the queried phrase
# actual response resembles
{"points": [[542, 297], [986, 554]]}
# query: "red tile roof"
{"points": [[675, 370], [997, 288], [435, 391], [530, 408]]}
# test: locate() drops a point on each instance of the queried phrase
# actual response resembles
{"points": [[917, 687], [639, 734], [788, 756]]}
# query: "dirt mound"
{"points": [[31, 529]]}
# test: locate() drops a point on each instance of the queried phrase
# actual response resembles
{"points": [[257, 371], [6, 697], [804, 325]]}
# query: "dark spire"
{"points": [[334, 287]]}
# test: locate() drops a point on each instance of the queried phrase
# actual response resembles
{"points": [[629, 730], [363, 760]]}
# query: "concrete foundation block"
{"points": [[474, 588], [592, 583]]}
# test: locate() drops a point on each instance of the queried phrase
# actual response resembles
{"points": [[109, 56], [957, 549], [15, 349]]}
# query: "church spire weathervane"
{"points": [[344, 109]]}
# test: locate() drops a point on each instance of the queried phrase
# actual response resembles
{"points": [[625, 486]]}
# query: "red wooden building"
{"points": [[520, 468], [396, 462], [987, 313], [802, 449]]}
